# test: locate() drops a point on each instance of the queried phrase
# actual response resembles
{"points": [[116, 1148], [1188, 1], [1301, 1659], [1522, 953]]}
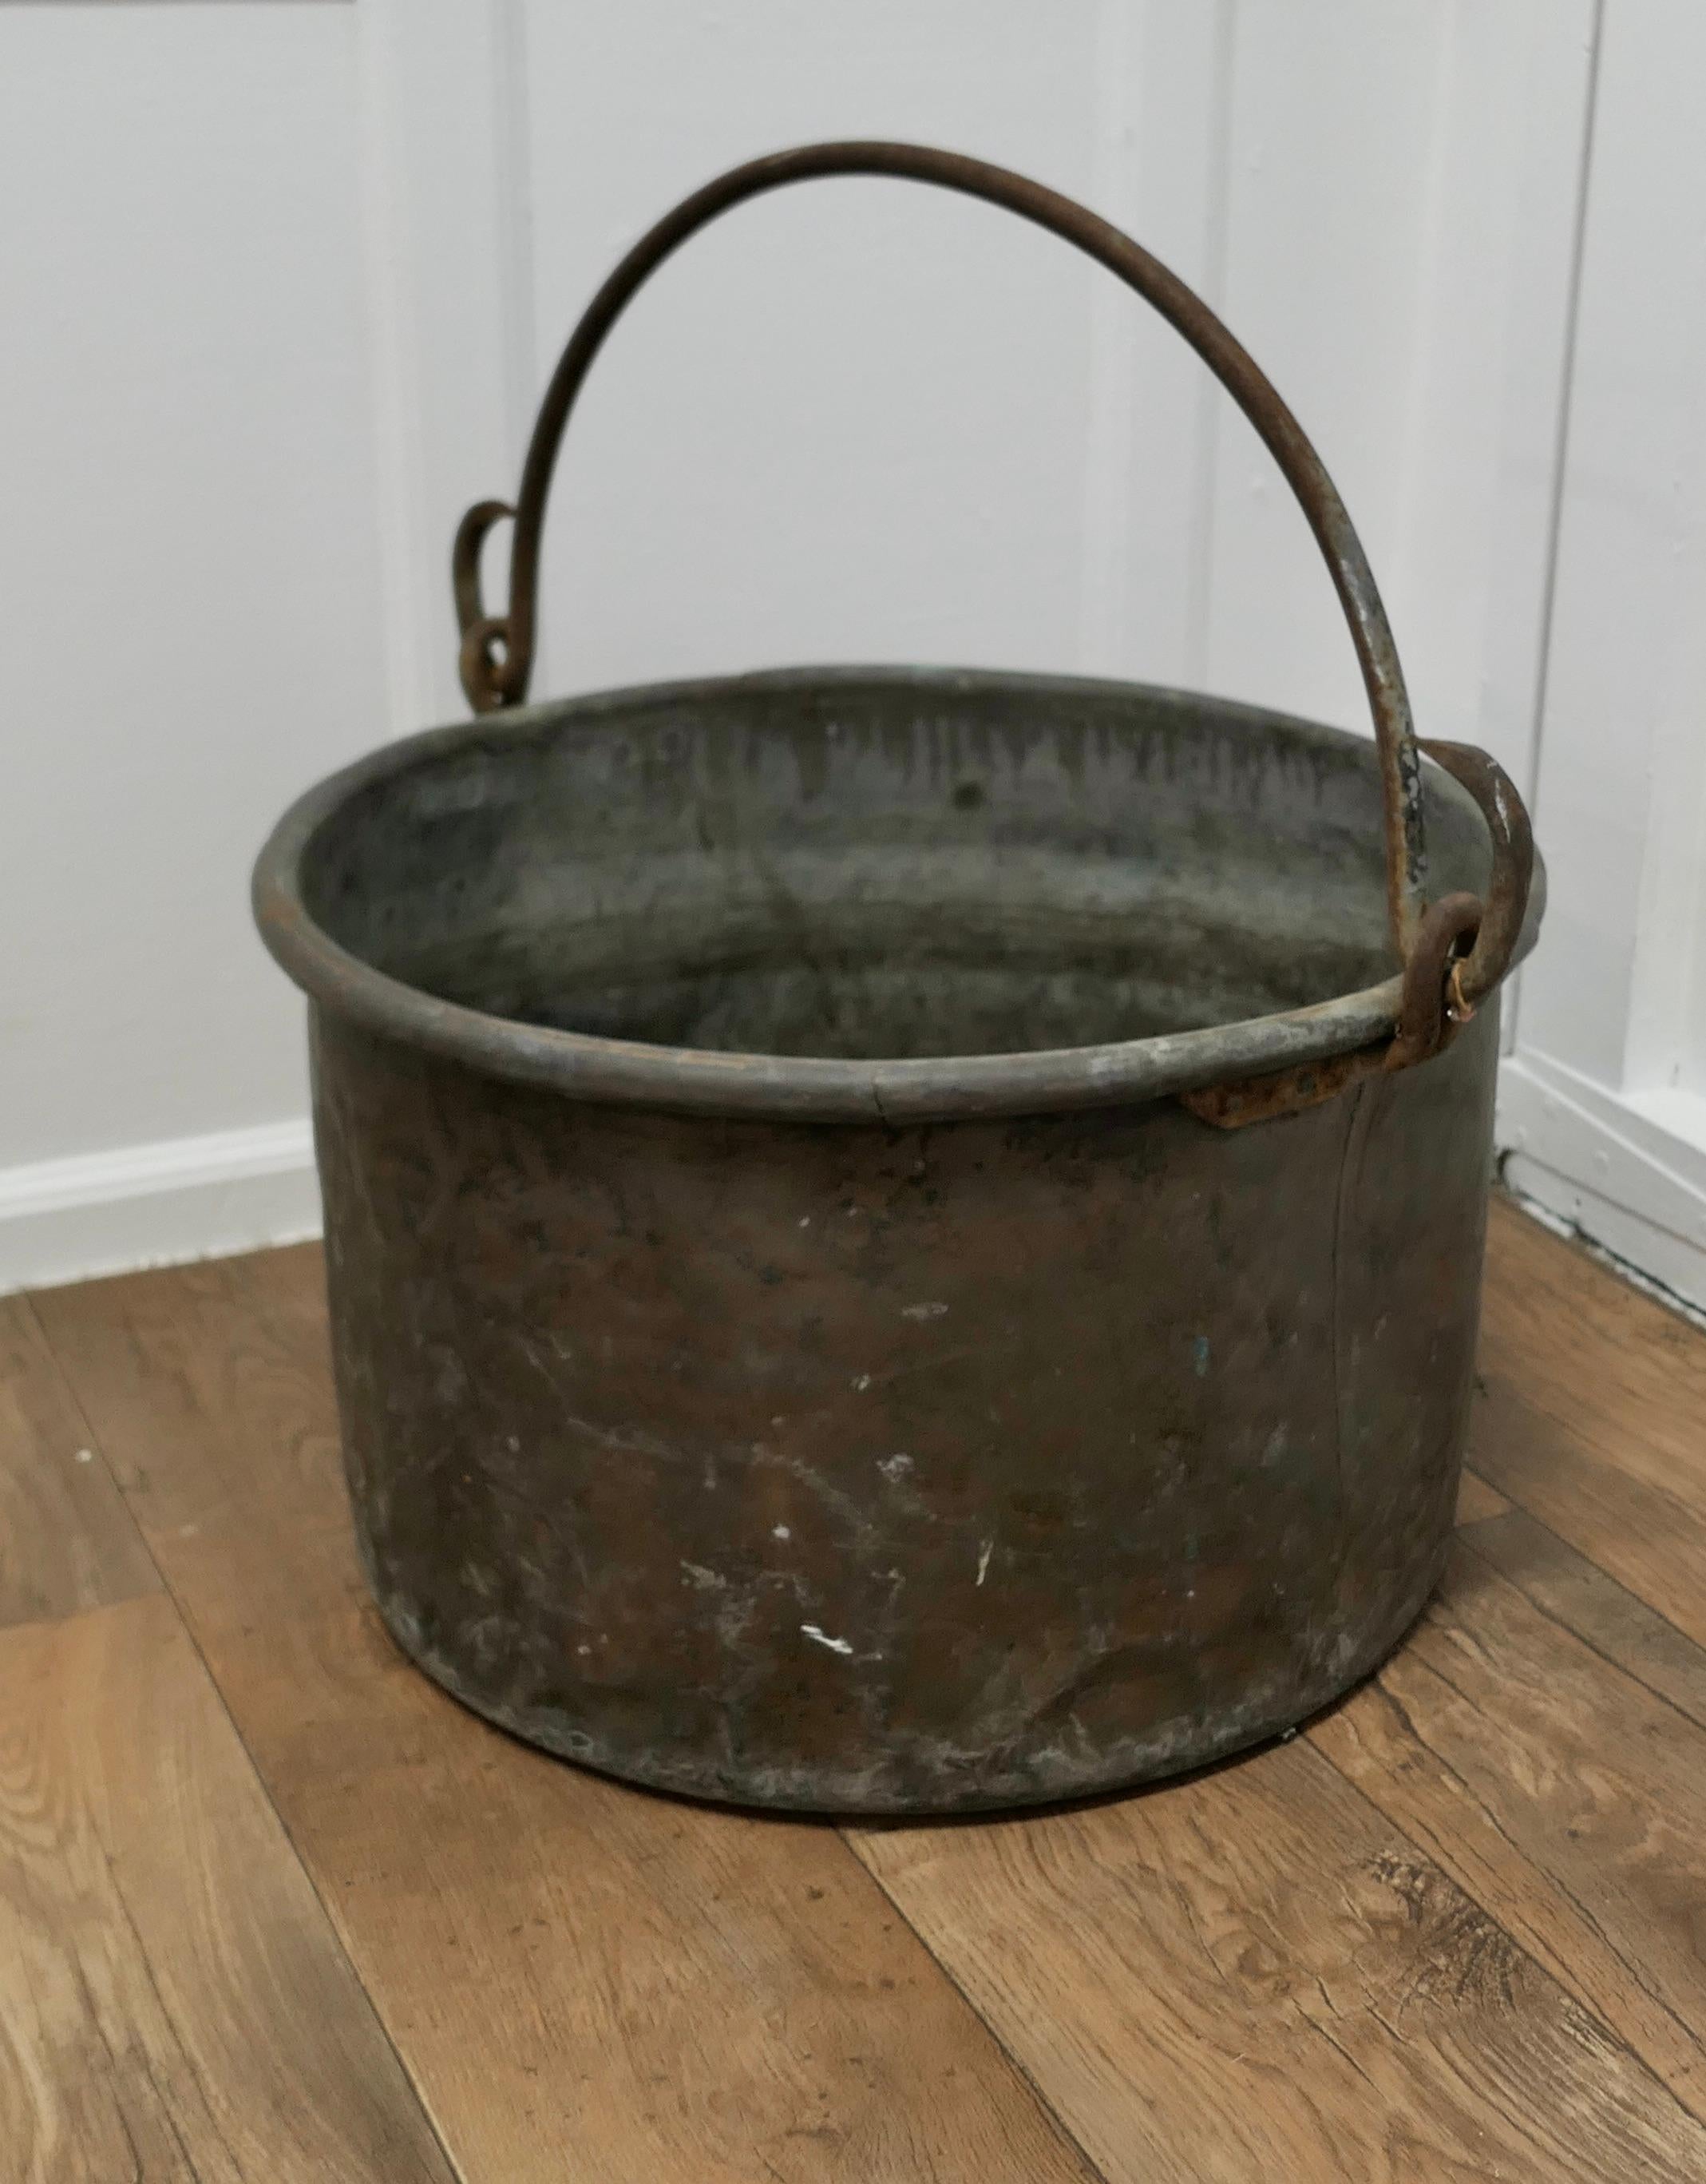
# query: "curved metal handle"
{"points": [[1499, 925], [497, 649]]}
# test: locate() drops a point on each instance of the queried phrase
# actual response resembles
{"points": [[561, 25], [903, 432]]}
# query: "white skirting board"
{"points": [[1629, 1172], [157, 1205], [1626, 1170]]}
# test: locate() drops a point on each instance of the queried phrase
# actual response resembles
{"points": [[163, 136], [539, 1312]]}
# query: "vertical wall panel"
{"points": [[1330, 158], [187, 561], [1603, 1102], [1618, 798], [1402, 200], [847, 422], [1163, 76], [1470, 571]]}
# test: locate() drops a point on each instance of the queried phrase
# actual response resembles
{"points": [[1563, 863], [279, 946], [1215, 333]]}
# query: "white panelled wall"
{"points": [[1603, 1105], [284, 279], [188, 600]]}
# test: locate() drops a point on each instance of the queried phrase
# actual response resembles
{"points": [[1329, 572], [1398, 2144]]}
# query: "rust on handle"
{"points": [[1462, 950], [1513, 867]]}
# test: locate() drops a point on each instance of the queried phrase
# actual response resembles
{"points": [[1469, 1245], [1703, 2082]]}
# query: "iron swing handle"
{"points": [[497, 653]]}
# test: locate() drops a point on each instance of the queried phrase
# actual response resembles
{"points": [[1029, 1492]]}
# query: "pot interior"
{"points": [[877, 864]]}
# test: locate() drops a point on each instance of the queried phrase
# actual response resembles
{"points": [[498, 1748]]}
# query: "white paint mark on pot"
{"points": [[818, 1638], [702, 1579], [983, 1554], [85, 1456], [805, 1221], [894, 1467], [781, 1532], [861, 1382], [922, 1310]]}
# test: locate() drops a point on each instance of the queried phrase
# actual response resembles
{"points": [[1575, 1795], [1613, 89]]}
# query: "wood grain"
{"points": [[1593, 1415], [670, 1991], [1561, 1793], [1476, 1501], [1568, 1587], [1252, 1974], [66, 1541], [174, 2005], [1452, 1932]]}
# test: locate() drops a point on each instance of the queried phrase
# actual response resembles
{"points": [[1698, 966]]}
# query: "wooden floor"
{"points": [[274, 1908]]}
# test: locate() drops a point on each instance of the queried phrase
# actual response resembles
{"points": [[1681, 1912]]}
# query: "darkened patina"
{"points": [[903, 1240]]}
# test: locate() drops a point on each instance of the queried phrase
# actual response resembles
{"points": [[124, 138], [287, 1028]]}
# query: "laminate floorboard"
{"points": [[271, 1905]]}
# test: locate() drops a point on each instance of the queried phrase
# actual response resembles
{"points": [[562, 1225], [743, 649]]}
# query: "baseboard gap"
{"points": [[1572, 1232]]}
